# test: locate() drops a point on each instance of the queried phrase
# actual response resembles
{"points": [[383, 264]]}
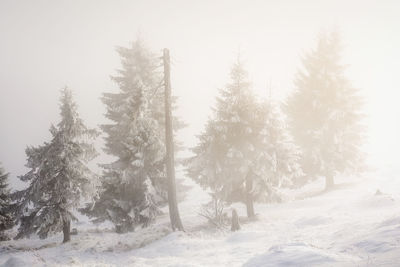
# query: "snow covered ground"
{"points": [[353, 225]]}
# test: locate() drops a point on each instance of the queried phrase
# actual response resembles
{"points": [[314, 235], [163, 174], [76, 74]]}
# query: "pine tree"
{"points": [[244, 152], [134, 185], [58, 177], [6, 219], [279, 155], [324, 113]]}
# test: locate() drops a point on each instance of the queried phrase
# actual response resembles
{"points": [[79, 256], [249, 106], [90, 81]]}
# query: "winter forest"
{"points": [[199, 133]]}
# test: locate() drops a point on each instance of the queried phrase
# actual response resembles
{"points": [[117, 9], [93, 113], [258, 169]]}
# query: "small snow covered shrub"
{"points": [[214, 212]]}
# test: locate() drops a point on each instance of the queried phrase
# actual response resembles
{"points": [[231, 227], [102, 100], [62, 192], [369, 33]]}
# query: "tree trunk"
{"points": [[249, 196], [329, 182], [235, 221], [216, 207], [176, 222], [67, 231]]}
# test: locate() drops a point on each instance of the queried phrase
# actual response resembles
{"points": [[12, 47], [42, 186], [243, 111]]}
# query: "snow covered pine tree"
{"points": [[6, 220], [324, 113], [59, 177], [279, 157], [244, 152], [134, 185]]}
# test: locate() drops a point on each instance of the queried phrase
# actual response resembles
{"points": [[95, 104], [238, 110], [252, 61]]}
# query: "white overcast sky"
{"points": [[45, 45]]}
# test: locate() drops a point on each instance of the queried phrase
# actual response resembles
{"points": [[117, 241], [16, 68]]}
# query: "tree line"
{"points": [[248, 150]]}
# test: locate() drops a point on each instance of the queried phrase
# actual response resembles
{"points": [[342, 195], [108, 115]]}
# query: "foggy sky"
{"points": [[46, 45]]}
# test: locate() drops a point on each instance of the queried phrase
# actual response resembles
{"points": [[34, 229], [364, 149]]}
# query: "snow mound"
{"points": [[293, 254], [390, 222], [14, 262], [240, 237], [314, 221]]}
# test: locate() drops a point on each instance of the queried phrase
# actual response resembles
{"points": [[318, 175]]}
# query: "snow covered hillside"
{"points": [[357, 224]]}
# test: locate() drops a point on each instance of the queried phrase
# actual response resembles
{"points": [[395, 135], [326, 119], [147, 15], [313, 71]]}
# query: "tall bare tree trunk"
{"points": [[176, 222], [249, 196], [67, 230]]}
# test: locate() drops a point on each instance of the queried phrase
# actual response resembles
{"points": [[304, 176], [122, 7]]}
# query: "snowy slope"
{"points": [[353, 225]]}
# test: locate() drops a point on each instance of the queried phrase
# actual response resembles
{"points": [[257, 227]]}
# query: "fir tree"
{"points": [[244, 152], [134, 185], [58, 176], [6, 219], [280, 157], [324, 113]]}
